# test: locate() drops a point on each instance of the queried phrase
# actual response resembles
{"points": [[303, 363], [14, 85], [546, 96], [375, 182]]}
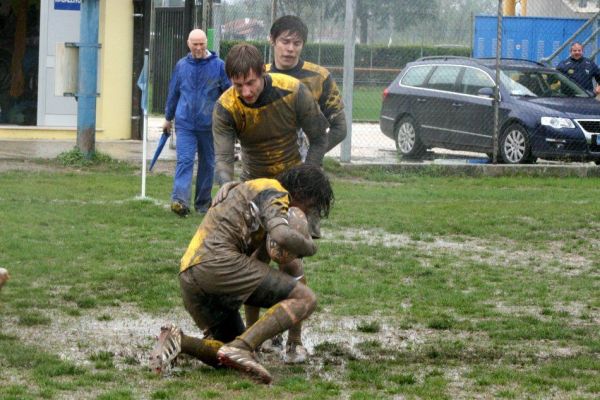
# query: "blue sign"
{"points": [[67, 5], [529, 38]]}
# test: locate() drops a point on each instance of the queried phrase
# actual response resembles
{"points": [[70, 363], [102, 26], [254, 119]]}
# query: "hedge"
{"points": [[374, 64]]}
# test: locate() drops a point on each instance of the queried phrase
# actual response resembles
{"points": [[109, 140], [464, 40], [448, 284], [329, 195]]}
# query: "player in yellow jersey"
{"points": [[263, 111], [224, 267], [288, 36]]}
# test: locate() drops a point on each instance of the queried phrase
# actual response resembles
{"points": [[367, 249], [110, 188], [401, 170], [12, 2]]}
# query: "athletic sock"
{"points": [[203, 349], [275, 320]]}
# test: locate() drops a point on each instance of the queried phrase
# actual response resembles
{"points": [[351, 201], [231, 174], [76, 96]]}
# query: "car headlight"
{"points": [[558, 123]]}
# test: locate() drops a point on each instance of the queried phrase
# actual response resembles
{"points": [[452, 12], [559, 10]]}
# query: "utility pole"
{"points": [[348, 80], [87, 87], [497, 86]]}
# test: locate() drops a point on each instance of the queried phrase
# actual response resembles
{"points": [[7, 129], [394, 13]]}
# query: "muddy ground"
{"points": [[129, 333]]}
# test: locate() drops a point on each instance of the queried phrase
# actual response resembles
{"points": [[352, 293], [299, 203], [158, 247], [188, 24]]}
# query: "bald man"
{"points": [[198, 80]]}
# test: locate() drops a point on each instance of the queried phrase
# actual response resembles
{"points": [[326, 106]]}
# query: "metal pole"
{"points": [[217, 27], [273, 18], [471, 32], [497, 85], [189, 8], [348, 81], [145, 125], [206, 15], [87, 88]]}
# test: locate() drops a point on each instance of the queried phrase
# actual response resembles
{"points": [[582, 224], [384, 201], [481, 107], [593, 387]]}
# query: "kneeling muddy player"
{"points": [[222, 269]]}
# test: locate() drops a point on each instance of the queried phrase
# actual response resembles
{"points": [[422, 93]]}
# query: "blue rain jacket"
{"points": [[195, 86]]}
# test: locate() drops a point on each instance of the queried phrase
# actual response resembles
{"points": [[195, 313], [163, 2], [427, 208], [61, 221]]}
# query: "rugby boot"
{"points": [[295, 353], [166, 349], [273, 345], [243, 361]]}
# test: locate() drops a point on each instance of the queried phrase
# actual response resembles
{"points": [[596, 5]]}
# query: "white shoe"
{"points": [[167, 349], [243, 361], [273, 345], [295, 353]]}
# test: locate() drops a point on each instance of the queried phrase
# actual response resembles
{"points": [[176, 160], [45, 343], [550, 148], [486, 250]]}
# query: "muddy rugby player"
{"points": [[226, 265]]}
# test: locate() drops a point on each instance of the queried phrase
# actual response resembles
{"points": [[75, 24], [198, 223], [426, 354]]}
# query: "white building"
{"points": [[562, 8]]}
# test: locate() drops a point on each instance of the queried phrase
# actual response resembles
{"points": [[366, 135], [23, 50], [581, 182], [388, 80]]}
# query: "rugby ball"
{"points": [[297, 220]]}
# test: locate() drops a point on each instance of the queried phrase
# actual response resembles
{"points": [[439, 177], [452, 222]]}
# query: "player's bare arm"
{"points": [[293, 241]]}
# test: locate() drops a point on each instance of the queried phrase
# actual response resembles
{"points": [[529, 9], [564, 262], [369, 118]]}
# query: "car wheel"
{"points": [[514, 145], [408, 143]]}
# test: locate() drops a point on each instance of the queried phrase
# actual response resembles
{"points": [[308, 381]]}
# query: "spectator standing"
{"points": [[197, 82], [580, 69]]}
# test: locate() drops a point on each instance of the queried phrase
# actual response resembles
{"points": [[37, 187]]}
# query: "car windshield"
{"points": [[534, 83]]}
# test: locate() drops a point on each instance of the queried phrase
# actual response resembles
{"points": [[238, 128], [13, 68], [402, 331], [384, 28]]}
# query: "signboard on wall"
{"points": [[67, 5]]}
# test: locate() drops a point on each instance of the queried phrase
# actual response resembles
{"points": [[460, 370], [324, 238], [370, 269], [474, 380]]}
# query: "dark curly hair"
{"points": [[289, 23], [310, 185]]}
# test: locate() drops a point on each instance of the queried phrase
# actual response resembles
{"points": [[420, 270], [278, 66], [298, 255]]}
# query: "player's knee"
{"points": [[306, 296], [310, 301]]}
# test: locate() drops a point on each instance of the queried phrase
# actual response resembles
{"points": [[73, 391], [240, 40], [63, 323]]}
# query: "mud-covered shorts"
{"points": [[213, 293]]}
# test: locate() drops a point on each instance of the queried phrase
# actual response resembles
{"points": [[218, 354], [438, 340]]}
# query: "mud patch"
{"points": [[503, 252]]}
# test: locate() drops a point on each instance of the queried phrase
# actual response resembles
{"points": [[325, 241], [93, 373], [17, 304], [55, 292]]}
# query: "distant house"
{"points": [[244, 29], [562, 8]]}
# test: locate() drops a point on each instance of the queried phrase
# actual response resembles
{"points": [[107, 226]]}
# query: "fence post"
{"points": [[348, 81], [497, 85]]}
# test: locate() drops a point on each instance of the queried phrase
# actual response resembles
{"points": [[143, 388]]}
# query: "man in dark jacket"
{"points": [[580, 69], [197, 82]]}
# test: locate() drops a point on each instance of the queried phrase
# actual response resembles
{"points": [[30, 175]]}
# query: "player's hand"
{"points": [[223, 192]]}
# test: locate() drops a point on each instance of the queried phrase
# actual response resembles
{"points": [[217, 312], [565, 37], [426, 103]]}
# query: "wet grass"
{"points": [[500, 319]]}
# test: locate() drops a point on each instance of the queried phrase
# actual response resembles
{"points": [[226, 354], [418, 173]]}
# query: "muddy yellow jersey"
{"points": [[320, 83], [237, 225], [267, 129]]}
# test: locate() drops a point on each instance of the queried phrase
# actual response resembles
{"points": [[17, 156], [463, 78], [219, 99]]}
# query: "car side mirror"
{"points": [[486, 91]]}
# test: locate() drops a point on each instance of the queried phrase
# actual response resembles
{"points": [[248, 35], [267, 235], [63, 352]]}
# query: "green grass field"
{"points": [[366, 101], [429, 287]]}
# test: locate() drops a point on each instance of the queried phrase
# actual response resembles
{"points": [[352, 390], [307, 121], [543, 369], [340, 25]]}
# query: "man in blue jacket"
{"points": [[198, 80], [580, 69]]}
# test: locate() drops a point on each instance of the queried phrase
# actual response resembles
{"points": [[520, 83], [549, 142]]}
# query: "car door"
{"points": [[474, 113], [436, 114]]}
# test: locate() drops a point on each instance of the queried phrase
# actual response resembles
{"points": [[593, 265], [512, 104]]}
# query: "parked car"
{"points": [[447, 102]]}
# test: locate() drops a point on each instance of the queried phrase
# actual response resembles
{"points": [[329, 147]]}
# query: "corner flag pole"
{"points": [[143, 85]]}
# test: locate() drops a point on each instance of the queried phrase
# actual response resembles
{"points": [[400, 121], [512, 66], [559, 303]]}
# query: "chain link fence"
{"points": [[384, 42], [389, 34]]}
